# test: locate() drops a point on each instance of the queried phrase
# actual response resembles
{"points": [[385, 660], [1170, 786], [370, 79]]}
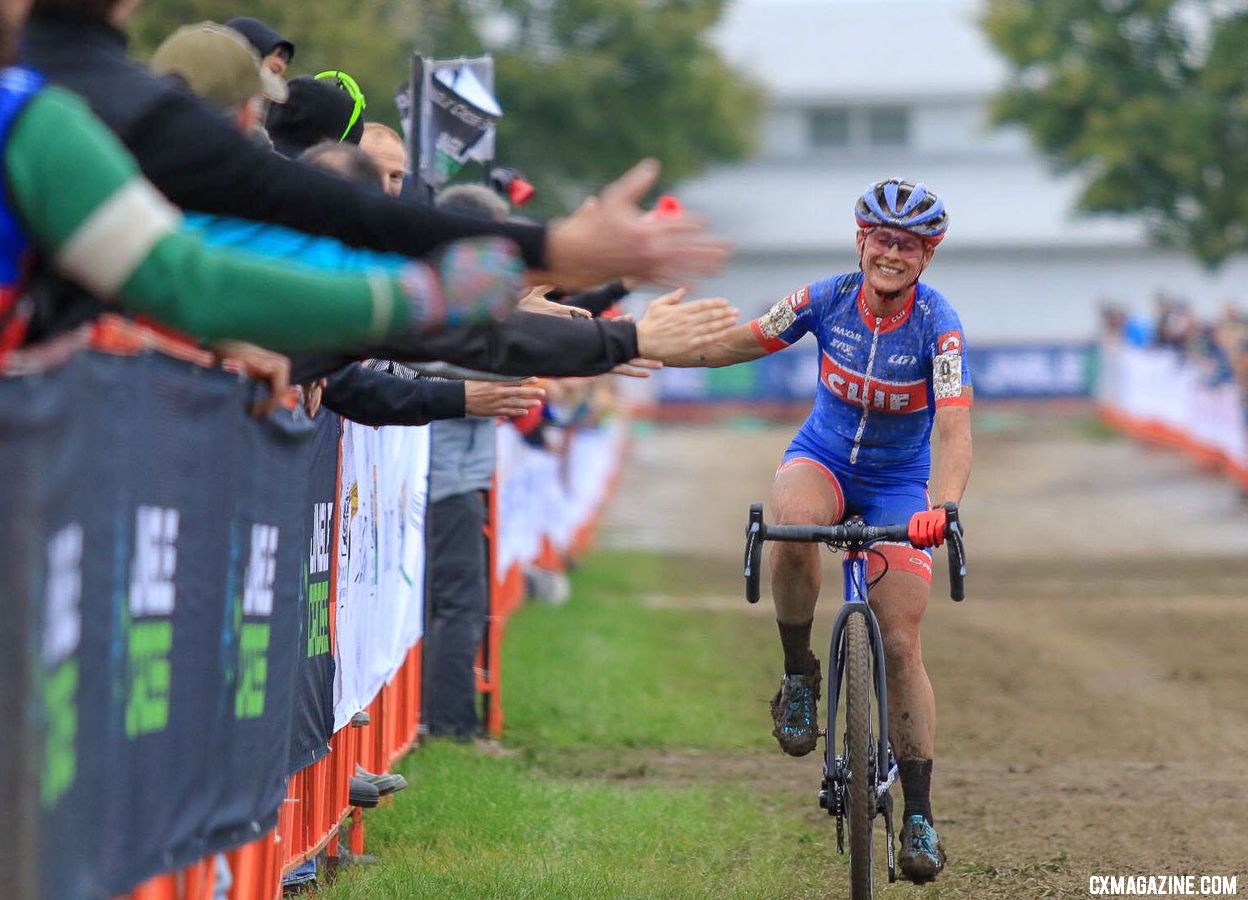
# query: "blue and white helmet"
{"points": [[905, 205]]}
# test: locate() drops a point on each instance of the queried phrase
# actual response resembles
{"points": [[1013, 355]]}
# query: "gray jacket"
{"points": [[461, 453], [462, 457]]}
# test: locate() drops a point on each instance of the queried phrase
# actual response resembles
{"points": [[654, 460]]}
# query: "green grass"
{"points": [[597, 695], [607, 671]]}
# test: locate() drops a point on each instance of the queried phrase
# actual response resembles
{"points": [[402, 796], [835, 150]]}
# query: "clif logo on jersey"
{"points": [[884, 396], [949, 342]]}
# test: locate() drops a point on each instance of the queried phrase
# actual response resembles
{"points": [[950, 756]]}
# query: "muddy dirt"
{"points": [[1093, 689]]}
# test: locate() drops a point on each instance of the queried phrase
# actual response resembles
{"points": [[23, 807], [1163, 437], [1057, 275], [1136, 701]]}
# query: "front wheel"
{"points": [[859, 755]]}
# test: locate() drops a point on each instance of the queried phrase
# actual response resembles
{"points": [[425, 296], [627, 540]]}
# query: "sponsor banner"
{"points": [[169, 534], [1032, 370], [1014, 371], [264, 607], [312, 723], [381, 565]]}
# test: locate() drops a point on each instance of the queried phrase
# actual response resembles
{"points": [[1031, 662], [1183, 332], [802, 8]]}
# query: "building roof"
{"points": [[809, 49]]}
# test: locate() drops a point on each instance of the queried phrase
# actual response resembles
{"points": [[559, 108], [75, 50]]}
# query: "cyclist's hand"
{"points": [[927, 529]]}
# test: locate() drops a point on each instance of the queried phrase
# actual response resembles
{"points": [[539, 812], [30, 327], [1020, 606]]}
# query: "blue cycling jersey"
{"points": [[880, 380]]}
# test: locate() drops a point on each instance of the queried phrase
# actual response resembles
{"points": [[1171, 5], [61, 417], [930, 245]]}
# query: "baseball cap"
{"points": [[218, 64], [261, 35]]}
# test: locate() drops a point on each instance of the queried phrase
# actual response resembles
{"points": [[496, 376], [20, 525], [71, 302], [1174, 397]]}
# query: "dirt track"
{"points": [[1091, 691]]}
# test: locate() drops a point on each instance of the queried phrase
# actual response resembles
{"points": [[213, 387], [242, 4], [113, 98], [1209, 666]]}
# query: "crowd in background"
{"points": [[1218, 348], [216, 206]]}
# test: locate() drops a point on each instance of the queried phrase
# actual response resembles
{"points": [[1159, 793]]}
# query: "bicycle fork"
{"points": [[836, 772]]}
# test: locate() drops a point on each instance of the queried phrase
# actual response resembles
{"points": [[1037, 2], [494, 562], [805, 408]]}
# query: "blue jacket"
{"points": [[356, 392]]}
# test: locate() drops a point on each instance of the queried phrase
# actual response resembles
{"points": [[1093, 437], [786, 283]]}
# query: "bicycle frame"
{"points": [[854, 566]]}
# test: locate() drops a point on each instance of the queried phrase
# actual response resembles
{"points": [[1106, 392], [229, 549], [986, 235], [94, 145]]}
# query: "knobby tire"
{"points": [[859, 753]]}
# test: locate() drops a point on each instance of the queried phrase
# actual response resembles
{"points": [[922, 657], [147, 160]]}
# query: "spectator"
{"points": [[395, 395], [85, 211], [389, 152], [217, 64], [199, 164], [519, 343], [1175, 324], [365, 396], [347, 160], [275, 51], [1113, 321], [461, 470], [317, 111]]}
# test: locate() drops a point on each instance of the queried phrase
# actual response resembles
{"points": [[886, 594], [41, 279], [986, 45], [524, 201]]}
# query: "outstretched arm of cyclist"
{"points": [[736, 345], [951, 469]]}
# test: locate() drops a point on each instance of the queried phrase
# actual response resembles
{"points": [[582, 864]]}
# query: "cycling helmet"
{"points": [[905, 205]]}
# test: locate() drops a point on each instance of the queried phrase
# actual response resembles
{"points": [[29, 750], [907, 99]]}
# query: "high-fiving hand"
{"points": [[489, 399], [670, 328], [610, 236]]}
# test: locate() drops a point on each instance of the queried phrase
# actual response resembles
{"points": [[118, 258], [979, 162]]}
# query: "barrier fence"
{"points": [[199, 601], [1157, 395]]}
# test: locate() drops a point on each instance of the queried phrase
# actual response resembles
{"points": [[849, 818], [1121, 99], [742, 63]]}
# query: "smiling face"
{"points": [[892, 259]]}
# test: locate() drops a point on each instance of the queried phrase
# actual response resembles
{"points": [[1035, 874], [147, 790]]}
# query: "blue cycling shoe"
{"points": [[921, 857], [795, 712]]}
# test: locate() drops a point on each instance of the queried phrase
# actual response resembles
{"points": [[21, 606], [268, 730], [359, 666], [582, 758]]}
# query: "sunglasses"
{"points": [[906, 244], [352, 87]]}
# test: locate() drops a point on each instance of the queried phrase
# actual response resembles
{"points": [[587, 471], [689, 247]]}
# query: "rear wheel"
{"points": [[859, 755]]}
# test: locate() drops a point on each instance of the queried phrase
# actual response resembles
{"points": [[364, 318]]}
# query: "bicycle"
{"points": [[856, 784]]}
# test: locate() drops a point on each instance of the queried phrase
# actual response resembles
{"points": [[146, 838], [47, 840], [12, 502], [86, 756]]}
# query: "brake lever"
{"points": [[957, 553], [754, 537]]}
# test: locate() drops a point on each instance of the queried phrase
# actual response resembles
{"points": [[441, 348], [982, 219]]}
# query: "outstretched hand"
{"points": [[536, 301], [488, 399], [611, 237], [671, 329], [637, 368]]}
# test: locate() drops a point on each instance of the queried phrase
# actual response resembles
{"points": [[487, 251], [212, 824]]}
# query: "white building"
{"points": [[861, 90]]}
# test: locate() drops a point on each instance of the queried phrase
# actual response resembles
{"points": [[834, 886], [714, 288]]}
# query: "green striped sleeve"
{"points": [[85, 203]]}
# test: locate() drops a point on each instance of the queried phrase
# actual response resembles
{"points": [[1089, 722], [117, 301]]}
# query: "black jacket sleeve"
{"points": [[199, 162], [522, 345], [379, 398], [599, 299]]}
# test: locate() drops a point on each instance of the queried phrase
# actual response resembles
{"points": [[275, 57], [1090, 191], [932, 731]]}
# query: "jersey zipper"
{"points": [[866, 393]]}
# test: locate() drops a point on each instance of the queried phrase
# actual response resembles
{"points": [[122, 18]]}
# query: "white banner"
{"points": [[1159, 389], [544, 495], [381, 559]]}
